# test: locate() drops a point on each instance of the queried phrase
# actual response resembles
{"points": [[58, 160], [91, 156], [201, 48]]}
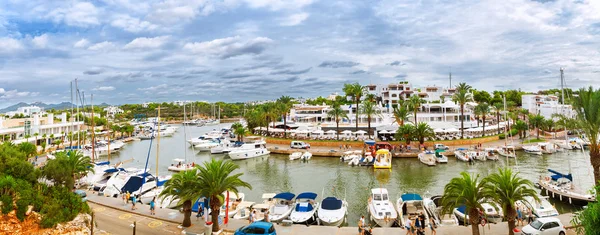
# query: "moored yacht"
{"points": [[427, 157], [180, 165], [547, 148], [305, 209], [493, 212], [539, 209], [507, 151], [233, 203], [383, 159], [254, 147], [462, 156], [560, 186], [282, 207], [381, 209], [490, 155], [332, 211], [532, 149], [409, 205]]}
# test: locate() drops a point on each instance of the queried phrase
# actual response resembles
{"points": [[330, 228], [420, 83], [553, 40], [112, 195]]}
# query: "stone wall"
{"points": [[359, 144]]}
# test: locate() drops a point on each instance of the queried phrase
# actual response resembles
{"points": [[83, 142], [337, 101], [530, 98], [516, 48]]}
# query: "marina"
{"points": [[276, 173]]}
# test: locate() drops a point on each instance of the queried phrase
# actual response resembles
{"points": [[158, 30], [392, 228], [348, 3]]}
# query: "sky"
{"points": [[134, 51]]}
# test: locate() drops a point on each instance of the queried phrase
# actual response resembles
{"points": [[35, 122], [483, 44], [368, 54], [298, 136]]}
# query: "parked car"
{"points": [[259, 227], [81, 194], [441, 147], [299, 145], [545, 226]]}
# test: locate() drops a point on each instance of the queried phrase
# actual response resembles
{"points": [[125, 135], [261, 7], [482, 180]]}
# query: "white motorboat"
{"points": [[100, 177], [547, 148], [427, 158], [305, 209], [410, 205], [332, 211], [381, 209], [462, 155], [477, 155], [461, 215], [180, 165], [493, 214], [295, 155], [532, 149], [560, 186], [306, 156], [540, 209], [244, 210], [383, 159], [208, 144], [203, 138], [233, 203], [224, 147], [261, 210], [114, 185], [507, 151], [255, 147], [490, 155], [349, 155], [439, 157], [282, 207]]}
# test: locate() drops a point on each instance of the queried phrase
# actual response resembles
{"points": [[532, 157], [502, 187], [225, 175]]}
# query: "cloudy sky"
{"points": [[131, 51]]}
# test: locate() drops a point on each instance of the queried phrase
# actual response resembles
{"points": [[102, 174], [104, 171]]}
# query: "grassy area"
{"points": [[533, 141]]}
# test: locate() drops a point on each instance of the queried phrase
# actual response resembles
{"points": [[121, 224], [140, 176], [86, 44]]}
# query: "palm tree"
{"points": [[239, 132], [45, 137], [506, 188], [587, 106], [371, 98], [415, 102], [286, 106], [482, 110], [72, 165], [401, 113], [370, 109], [469, 191], [337, 113], [52, 139], [270, 113], [215, 178], [548, 125], [462, 96], [183, 186], [36, 135], [536, 121], [521, 126], [354, 90], [498, 107], [422, 131], [27, 137], [405, 132]]}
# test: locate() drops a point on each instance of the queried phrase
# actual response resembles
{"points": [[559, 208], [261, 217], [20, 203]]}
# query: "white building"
{"points": [[16, 129], [546, 105], [111, 111], [332, 96], [182, 102], [26, 111], [146, 104], [302, 113]]}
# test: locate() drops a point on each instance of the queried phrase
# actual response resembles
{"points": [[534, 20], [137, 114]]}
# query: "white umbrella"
{"points": [[276, 130], [331, 132], [439, 130], [360, 132], [451, 130], [383, 132], [318, 132], [347, 132]]}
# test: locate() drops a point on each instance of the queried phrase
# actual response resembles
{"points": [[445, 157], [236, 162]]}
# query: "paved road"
{"points": [[110, 221]]}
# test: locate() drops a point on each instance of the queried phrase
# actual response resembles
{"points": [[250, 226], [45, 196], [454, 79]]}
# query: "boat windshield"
{"points": [[536, 224], [380, 197]]}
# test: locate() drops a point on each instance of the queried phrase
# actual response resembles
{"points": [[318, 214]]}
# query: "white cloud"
{"points": [[132, 24], [8, 45], [155, 88], [147, 43], [81, 43], [230, 47], [10, 94], [102, 46], [40, 41], [294, 19], [80, 14], [278, 4], [104, 88]]}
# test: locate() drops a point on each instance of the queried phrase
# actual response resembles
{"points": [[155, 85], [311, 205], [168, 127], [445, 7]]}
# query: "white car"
{"points": [[545, 226]]}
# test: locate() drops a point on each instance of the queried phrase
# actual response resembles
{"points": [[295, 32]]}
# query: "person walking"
{"points": [[361, 224], [124, 199], [251, 217], [432, 225], [133, 201], [529, 216], [519, 217], [266, 219], [152, 204], [408, 226], [127, 197]]}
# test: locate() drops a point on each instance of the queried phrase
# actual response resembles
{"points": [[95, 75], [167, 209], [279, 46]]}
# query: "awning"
{"points": [[360, 132], [331, 132], [307, 195], [286, 196], [347, 132]]}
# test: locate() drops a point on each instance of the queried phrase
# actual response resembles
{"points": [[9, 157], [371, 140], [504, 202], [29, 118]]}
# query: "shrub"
{"points": [[22, 206], [61, 205], [7, 204], [501, 136]]}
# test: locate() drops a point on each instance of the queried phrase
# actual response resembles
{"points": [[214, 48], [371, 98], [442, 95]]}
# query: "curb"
{"points": [[133, 212]]}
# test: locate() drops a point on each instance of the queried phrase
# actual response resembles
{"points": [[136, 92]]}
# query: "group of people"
{"points": [[416, 225], [524, 215], [131, 197], [253, 217]]}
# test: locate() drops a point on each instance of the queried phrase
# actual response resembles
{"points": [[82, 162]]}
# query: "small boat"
{"points": [[559, 185], [209, 144], [261, 210], [409, 205], [381, 209], [225, 147], [461, 215], [306, 156], [532, 149], [507, 151], [490, 155], [462, 155], [427, 158], [349, 155], [383, 159], [477, 155], [233, 203], [180, 165], [360, 160], [540, 209], [493, 214], [282, 207], [547, 148], [332, 211], [244, 210], [300, 155], [305, 209], [439, 157]]}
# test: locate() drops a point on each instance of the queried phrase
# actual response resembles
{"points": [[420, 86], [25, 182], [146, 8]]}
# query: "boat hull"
{"points": [[240, 155]]}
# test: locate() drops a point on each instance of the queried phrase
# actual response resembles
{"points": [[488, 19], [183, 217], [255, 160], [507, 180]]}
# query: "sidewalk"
{"points": [[174, 216]]}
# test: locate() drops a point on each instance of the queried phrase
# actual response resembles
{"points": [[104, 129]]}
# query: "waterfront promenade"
{"points": [[114, 217]]}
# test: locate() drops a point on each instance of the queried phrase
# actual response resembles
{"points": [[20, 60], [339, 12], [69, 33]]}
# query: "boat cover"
{"points": [[557, 175], [202, 202], [102, 163], [286, 196], [411, 197], [462, 209], [304, 207], [133, 184], [307, 195], [370, 142], [161, 182], [112, 170], [331, 203]]}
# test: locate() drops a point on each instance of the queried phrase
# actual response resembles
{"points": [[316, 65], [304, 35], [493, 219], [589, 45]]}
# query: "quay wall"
{"points": [[359, 144]]}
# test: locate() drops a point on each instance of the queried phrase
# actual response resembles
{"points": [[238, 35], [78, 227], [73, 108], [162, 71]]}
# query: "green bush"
{"points": [[22, 206], [7, 204], [513, 132], [61, 205], [501, 136]]}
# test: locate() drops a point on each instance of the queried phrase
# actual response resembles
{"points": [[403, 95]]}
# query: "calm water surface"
{"points": [[330, 177]]}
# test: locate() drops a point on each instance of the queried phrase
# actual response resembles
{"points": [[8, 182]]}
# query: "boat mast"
{"points": [[77, 115], [93, 132], [184, 135], [72, 124], [157, 141], [562, 90]]}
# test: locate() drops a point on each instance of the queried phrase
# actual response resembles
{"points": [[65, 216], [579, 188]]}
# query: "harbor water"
{"points": [[330, 177]]}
